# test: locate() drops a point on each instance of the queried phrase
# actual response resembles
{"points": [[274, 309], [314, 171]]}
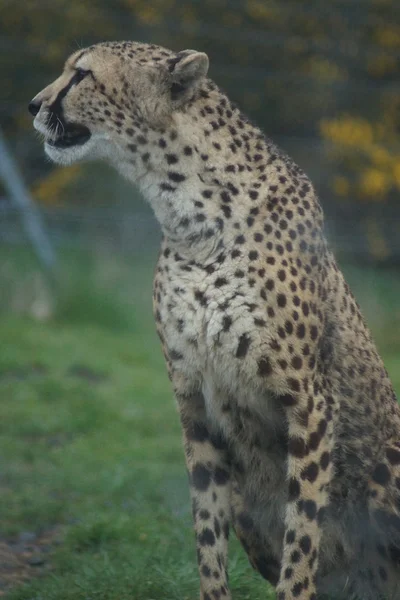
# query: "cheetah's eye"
{"points": [[79, 75]]}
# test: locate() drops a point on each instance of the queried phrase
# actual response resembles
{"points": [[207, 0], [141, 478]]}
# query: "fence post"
{"points": [[30, 214]]}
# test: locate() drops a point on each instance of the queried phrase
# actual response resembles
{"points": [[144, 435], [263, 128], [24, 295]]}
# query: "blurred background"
{"points": [[89, 428]]}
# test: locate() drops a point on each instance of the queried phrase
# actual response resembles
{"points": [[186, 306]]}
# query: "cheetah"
{"points": [[291, 427]]}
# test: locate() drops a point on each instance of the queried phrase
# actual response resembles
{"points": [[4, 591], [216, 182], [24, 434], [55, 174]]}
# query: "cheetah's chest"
{"points": [[209, 329]]}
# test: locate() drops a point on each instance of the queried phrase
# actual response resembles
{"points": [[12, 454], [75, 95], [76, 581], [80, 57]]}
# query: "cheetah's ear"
{"points": [[188, 67]]}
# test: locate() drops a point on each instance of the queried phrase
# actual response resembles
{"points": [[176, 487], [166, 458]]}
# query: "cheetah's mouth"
{"points": [[72, 135]]}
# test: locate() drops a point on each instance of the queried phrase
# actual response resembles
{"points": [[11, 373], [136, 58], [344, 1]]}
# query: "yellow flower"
{"points": [[380, 156], [374, 183], [49, 189], [396, 171], [389, 36]]}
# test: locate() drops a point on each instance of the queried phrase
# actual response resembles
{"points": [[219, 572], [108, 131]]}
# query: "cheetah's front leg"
{"points": [[210, 487], [309, 472]]}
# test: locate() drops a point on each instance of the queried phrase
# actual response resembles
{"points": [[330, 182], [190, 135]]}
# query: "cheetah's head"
{"points": [[111, 96]]}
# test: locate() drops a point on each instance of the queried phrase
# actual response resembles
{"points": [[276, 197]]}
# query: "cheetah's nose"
{"points": [[34, 107]]}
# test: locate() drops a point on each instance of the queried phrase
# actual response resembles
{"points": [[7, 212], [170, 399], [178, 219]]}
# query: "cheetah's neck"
{"points": [[202, 174]]}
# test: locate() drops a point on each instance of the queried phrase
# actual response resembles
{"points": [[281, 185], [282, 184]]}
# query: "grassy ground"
{"points": [[93, 490]]}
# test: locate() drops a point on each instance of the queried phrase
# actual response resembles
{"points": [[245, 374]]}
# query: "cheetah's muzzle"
{"points": [[72, 135]]}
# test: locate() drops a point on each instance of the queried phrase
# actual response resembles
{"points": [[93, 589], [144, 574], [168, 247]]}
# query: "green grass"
{"points": [[90, 439]]}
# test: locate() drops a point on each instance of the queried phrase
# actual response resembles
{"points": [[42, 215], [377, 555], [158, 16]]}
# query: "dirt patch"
{"points": [[23, 373], [87, 373], [26, 556]]}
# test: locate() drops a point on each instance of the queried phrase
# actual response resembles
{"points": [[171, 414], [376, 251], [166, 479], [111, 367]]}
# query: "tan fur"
{"points": [[290, 423]]}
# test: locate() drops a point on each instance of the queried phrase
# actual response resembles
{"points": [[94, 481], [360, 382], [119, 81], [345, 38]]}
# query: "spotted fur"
{"points": [[290, 423]]}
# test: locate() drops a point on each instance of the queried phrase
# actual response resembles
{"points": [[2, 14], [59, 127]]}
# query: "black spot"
{"points": [[322, 425], [264, 367], [226, 210], [381, 474], [176, 177], [220, 281], [200, 297], [270, 284], [295, 556], [294, 489], [281, 274], [297, 363], [324, 461], [288, 573], [259, 322], [393, 456], [221, 476], [297, 589], [305, 544], [207, 537], [310, 508], [301, 331], [205, 571], [288, 400], [298, 447], [172, 159], [225, 197], [294, 384], [281, 299], [220, 225], [226, 323], [314, 440], [310, 472], [197, 432], [204, 514], [290, 536], [233, 189], [217, 527], [218, 441], [166, 187], [175, 355], [201, 477], [225, 529], [243, 345]]}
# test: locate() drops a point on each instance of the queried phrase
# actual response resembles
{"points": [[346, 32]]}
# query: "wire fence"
{"points": [[354, 237]]}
